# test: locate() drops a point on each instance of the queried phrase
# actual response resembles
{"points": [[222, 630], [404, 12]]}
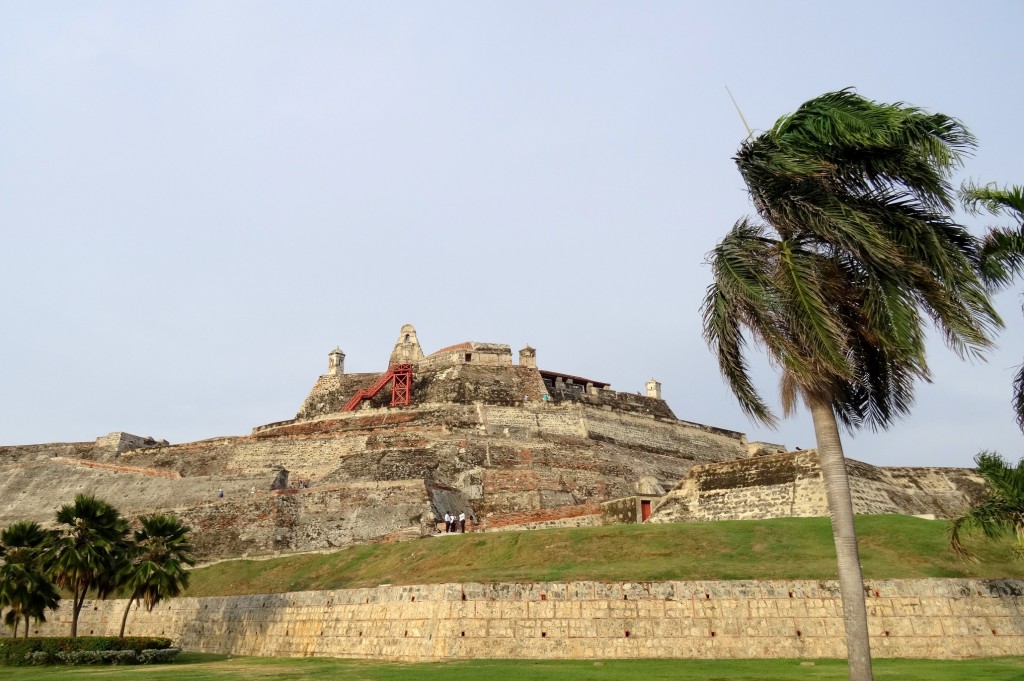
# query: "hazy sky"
{"points": [[199, 200]]}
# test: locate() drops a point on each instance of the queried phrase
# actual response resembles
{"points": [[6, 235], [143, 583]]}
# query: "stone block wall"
{"points": [[619, 511], [690, 441], [790, 485], [485, 354], [611, 399], [628, 510], [939, 619], [122, 442]]}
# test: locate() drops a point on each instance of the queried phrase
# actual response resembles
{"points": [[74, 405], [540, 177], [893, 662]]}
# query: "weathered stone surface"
{"points": [[943, 619], [469, 442], [509, 445], [790, 485]]}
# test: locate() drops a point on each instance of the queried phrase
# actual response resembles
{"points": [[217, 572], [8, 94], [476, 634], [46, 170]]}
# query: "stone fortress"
{"points": [[515, 447], [466, 430]]}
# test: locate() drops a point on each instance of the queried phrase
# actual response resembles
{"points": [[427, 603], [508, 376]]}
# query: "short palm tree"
{"points": [[24, 586], [87, 554], [854, 251], [1001, 511], [157, 567], [1002, 252]]}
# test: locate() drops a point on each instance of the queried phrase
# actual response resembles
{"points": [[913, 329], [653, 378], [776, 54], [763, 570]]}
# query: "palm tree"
{"points": [[89, 550], [855, 250], [1002, 252], [24, 586], [156, 568], [1001, 511]]}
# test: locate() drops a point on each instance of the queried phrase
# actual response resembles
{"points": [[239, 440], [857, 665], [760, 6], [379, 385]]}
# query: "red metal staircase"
{"points": [[400, 378]]}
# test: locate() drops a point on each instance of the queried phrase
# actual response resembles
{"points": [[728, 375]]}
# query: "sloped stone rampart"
{"points": [[939, 619], [138, 470], [532, 464], [790, 485]]}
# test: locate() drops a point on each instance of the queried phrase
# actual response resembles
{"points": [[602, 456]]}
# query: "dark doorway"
{"points": [[645, 510]]}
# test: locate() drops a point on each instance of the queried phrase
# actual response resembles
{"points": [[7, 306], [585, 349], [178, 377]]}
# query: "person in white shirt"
{"points": [[462, 522]]}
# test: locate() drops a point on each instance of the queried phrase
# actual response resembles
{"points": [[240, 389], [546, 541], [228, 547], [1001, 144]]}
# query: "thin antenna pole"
{"points": [[750, 133]]}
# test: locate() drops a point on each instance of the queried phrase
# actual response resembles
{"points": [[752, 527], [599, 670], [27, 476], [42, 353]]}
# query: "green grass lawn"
{"points": [[892, 547], [209, 668]]}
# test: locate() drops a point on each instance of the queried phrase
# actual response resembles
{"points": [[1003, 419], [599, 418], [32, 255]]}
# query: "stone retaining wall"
{"points": [[942, 619]]}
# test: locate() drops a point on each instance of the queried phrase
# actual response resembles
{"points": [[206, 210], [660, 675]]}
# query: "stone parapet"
{"points": [[938, 619]]}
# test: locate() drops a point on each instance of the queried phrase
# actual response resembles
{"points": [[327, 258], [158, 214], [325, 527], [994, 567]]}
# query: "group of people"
{"points": [[453, 523]]}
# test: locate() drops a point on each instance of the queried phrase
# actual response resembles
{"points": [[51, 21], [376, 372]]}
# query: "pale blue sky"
{"points": [[199, 200]]}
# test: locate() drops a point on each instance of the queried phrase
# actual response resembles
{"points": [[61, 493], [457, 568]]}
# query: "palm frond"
{"points": [[740, 296], [809, 294], [1018, 396], [991, 198], [1002, 510]]}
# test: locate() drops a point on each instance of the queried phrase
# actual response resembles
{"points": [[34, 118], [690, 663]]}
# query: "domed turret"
{"points": [[335, 362]]}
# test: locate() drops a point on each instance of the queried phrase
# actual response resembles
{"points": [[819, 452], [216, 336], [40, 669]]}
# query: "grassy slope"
{"points": [[892, 547]]}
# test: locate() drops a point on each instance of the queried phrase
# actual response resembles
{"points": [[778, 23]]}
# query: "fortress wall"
{"points": [[583, 515], [36, 491], [763, 487], [318, 518], [535, 419], [20, 454], [790, 485], [606, 398], [481, 354], [938, 619], [468, 384], [331, 391], [673, 438], [681, 440], [942, 492], [239, 523]]}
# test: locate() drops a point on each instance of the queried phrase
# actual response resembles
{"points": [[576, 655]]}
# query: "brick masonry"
{"points": [[937, 618]]}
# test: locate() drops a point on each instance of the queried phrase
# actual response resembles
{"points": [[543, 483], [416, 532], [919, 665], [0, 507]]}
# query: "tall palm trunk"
{"points": [[124, 617], [840, 508], [77, 601]]}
